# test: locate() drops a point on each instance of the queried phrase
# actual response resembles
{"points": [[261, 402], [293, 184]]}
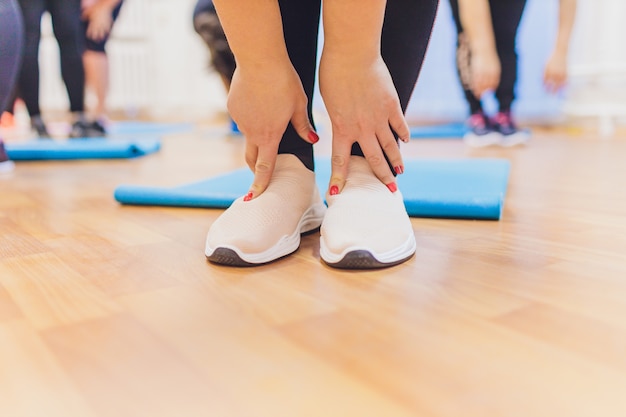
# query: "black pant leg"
{"points": [[301, 19], [463, 59], [66, 22], [506, 16], [11, 44], [28, 83]]}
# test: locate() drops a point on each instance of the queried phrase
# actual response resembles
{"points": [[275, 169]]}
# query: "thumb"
{"points": [[301, 123]]}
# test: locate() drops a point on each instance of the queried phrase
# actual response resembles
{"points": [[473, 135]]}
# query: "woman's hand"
{"points": [[484, 71], [100, 20], [262, 102], [555, 73], [363, 106]]}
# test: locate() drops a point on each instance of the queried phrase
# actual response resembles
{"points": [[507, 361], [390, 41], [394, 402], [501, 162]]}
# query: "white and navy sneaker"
{"points": [[481, 132], [510, 134]]}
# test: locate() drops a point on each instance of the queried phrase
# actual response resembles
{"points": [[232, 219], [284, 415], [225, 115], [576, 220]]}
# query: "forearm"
{"points": [[567, 16], [477, 26], [255, 33], [352, 28]]}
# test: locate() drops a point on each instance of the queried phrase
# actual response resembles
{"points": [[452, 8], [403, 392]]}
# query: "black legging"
{"points": [[67, 30], [11, 43], [505, 17], [405, 36]]}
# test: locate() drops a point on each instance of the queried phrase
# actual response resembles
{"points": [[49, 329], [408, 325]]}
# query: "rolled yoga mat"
{"points": [[440, 131], [89, 148], [134, 127], [459, 189]]}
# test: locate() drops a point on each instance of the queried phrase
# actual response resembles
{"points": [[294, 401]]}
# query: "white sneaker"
{"points": [[366, 226], [268, 227]]}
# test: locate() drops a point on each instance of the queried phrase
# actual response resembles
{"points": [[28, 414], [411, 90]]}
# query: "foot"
{"points": [[6, 165], [366, 225], [84, 129], [37, 124], [510, 134], [481, 132], [268, 227]]}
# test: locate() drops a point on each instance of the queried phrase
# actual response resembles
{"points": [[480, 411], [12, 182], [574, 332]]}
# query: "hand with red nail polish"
{"points": [[266, 93], [359, 93]]}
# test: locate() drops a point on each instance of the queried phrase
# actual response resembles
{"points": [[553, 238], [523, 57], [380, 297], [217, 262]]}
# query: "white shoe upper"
{"points": [[269, 226], [366, 225]]}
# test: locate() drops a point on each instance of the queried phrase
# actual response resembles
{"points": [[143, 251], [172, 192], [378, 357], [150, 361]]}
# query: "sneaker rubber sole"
{"points": [[363, 258], [232, 256]]}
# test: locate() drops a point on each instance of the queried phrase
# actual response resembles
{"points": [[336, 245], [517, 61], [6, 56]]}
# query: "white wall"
{"points": [[160, 64]]}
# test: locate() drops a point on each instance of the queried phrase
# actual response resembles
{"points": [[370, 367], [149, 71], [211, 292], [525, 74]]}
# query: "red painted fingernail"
{"points": [[334, 190], [399, 169], [392, 187], [313, 137], [248, 196]]}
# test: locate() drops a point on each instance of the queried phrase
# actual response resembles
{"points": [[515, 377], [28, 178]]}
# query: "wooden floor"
{"points": [[108, 310]]}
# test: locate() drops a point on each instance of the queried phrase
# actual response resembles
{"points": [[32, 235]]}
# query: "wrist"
{"points": [[350, 58], [263, 68]]}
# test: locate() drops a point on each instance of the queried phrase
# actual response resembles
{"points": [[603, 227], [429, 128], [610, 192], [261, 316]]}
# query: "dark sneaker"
{"points": [[36, 122], [83, 129], [6, 165], [481, 132], [511, 135]]}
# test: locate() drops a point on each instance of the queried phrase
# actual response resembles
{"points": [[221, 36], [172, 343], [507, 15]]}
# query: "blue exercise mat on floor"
{"points": [[87, 148], [448, 130], [461, 189], [135, 127]]}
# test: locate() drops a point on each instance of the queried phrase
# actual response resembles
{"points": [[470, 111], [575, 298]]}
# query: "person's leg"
{"points": [[367, 226], [480, 129], [66, 23], [463, 61], [301, 21], [506, 16], [96, 63], [97, 79], [28, 83], [11, 44], [207, 24], [269, 226]]}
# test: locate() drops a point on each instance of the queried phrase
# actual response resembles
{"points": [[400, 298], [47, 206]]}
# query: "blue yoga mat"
{"points": [[81, 148], [133, 128], [442, 131], [461, 189]]}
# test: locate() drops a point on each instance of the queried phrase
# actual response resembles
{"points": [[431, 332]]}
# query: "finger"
{"points": [[339, 165], [252, 152], [399, 125], [391, 149], [374, 155], [301, 123], [263, 169]]}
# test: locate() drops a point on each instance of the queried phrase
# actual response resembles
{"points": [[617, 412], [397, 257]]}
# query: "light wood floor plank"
{"points": [[109, 310]]}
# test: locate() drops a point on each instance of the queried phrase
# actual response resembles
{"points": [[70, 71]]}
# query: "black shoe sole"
{"points": [[362, 259]]}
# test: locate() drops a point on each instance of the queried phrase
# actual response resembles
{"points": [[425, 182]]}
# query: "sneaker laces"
{"points": [[477, 120], [504, 119]]}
